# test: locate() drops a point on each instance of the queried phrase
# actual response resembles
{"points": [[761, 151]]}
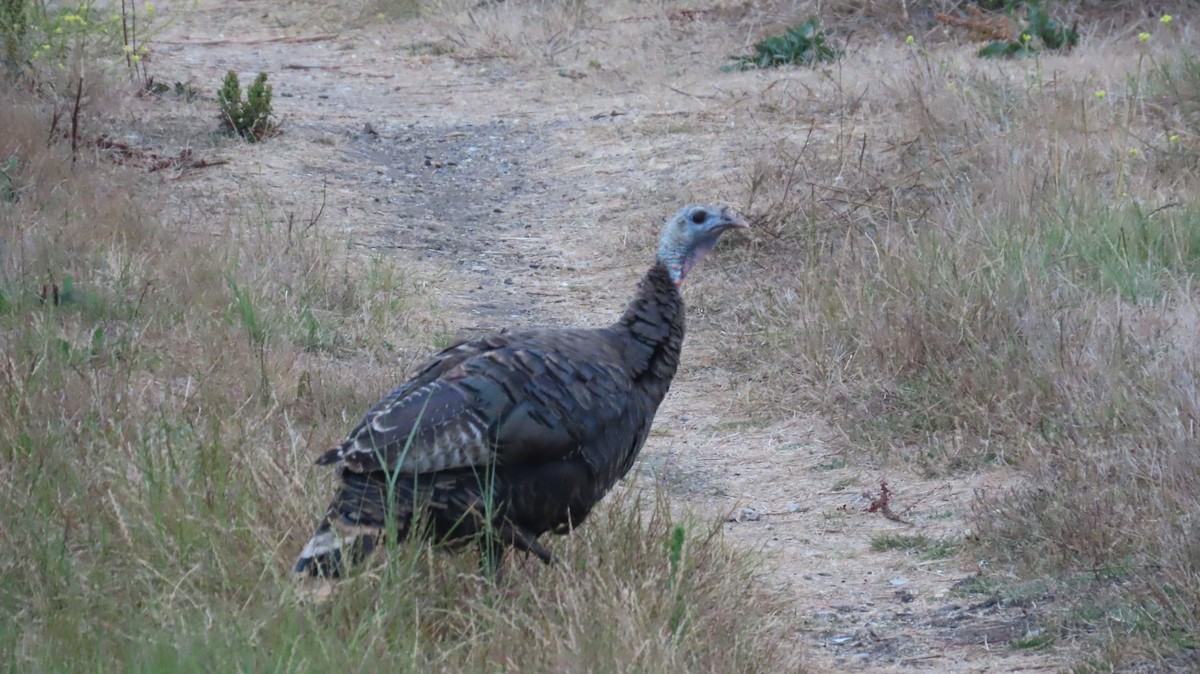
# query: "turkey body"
{"points": [[505, 438], [517, 434]]}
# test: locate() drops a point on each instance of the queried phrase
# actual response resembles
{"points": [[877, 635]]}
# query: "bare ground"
{"points": [[529, 194]]}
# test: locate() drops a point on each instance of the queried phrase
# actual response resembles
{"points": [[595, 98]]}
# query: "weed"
{"points": [[14, 25], [806, 44], [41, 38], [1039, 32], [836, 463], [8, 189], [843, 484], [940, 549], [928, 549], [1043, 639], [249, 118], [885, 542]]}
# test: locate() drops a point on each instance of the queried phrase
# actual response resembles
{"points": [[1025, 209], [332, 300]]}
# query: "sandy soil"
{"points": [[529, 192]]}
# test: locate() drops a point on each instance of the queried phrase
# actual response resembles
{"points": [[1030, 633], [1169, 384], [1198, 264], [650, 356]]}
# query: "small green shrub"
{"points": [[1040, 32], [249, 118], [39, 37], [805, 44], [13, 27], [8, 188]]}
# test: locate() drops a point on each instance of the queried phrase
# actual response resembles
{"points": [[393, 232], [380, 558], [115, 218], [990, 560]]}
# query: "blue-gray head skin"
{"points": [[690, 234]]}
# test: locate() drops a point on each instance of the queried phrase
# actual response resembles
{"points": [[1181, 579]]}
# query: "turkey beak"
{"points": [[731, 221]]}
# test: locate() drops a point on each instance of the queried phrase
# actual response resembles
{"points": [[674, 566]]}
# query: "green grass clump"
{"points": [[250, 118], [928, 548], [806, 44], [1040, 32]]}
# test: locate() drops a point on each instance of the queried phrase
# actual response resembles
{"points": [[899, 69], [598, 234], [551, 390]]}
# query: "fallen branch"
{"points": [[297, 39]]}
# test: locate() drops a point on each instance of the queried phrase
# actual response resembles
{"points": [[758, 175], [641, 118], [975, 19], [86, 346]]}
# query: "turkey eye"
{"points": [[699, 217]]}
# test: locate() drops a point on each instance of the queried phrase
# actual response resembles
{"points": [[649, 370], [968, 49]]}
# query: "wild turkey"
{"points": [[507, 437]]}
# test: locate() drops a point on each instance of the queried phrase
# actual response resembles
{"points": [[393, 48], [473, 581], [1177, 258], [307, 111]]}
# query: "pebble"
{"points": [[745, 515], [793, 507]]}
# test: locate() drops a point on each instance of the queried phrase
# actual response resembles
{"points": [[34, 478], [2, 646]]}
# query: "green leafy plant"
{"points": [[805, 44], [8, 188], [13, 27], [249, 118], [1040, 32], [38, 36]]}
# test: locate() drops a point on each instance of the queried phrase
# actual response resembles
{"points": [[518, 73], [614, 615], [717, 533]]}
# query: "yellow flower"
{"points": [[149, 9], [1174, 138], [1100, 94], [1143, 36], [1133, 152], [58, 30], [1166, 18], [143, 50], [1026, 37], [910, 40], [136, 58], [73, 18], [128, 49]]}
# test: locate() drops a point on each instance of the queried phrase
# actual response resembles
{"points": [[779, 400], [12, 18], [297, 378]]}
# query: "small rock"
{"points": [[898, 581], [793, 507], [746, 515]]}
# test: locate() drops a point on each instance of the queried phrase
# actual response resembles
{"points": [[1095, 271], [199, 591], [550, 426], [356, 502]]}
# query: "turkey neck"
{"points": [[652, 327]]}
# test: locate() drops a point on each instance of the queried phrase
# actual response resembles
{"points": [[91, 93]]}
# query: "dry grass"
{"points": [[964, 263], [162, 394], [959, 263]]}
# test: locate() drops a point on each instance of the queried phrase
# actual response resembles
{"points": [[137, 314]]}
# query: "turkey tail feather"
{"points": [[330, 457], [352, 527]]}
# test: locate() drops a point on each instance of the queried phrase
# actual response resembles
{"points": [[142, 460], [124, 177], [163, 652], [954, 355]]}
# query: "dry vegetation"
{"points": [[995, 263], [162, 394], [158, 423], [959, 263]]}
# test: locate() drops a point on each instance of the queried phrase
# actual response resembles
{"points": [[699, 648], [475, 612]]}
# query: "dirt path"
{"points": [[532, 199]]}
